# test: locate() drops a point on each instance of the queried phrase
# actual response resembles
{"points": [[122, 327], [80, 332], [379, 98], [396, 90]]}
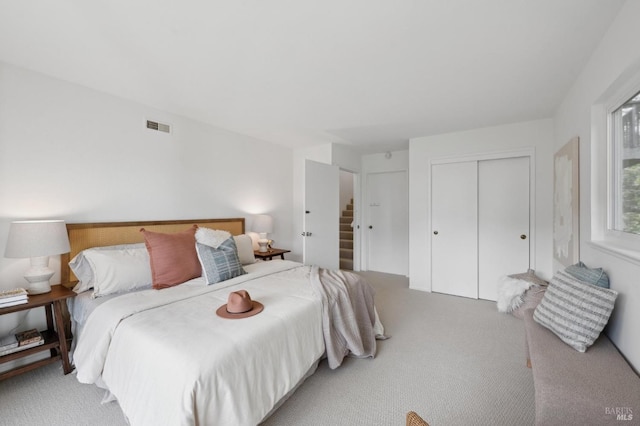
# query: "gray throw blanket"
{"points": [[348, 314]]}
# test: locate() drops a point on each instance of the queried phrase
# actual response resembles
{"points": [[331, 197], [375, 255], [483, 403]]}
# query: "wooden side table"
{"points": [[55, 339], [268, 255]]}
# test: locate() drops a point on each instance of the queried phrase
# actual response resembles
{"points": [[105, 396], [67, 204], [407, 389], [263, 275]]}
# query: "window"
{"points": [[615, 168], [625, 168]]}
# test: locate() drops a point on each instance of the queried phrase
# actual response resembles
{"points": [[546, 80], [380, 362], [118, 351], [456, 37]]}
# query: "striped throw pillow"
{"points": [[219, 264], [574, 310]]}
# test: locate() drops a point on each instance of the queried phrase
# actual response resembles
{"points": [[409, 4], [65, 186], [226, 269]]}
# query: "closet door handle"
{"points": [[523, 237], [435, 232]]}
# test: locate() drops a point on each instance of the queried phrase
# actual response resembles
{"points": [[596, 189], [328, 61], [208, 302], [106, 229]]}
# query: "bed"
{"points": [[167, 358]]}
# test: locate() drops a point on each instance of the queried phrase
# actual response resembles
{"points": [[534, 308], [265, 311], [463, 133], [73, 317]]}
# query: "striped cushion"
{"points": [[574, 310], [219, 264]]}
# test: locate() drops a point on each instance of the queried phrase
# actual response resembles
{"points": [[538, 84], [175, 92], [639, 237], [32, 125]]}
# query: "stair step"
{"points": [[346, 253], [346, 244], [346, 238], [344, 235], [346, 264]]}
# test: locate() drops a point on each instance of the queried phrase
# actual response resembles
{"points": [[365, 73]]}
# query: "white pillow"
{"points": [[118, 271], [245, 249], [254, 239], [83, 270], [211, 237]]}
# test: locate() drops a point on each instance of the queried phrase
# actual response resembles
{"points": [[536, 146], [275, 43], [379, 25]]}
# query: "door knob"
{"points": [[435, 232], [306, 234], [523, 237], [370, 227]]}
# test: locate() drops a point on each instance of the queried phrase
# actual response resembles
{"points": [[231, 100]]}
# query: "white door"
{"points": [[503, 221], [454, 229], [388, 222], [321, 215]]}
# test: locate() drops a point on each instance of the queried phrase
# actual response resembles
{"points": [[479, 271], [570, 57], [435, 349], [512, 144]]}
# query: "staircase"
{"points": [[346, 238]]}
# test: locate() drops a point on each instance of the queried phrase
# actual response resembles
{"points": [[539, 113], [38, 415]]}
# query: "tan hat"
{"points": [[239, 305]]}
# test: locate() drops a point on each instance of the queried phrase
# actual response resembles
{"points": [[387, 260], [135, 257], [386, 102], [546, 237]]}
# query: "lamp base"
{"points": [[38, 275], [263, 246], [39, 287]]}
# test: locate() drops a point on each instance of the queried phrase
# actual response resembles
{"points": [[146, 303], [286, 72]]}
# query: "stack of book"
{"points": [[20, 341], [17, 296]]}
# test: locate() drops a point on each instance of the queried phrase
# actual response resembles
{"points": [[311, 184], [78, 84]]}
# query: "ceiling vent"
{"points": [[154, 125]]}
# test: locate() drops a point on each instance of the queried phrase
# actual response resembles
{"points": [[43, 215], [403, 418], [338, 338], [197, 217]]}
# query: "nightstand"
{"points": [[55, 339], [268, 255]]}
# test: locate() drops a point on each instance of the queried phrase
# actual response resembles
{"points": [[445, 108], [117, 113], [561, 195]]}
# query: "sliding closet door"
{"points": [[454, 229], [503, 221]]}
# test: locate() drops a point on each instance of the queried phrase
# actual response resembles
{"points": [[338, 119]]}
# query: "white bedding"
{"points": [[169, 359]]}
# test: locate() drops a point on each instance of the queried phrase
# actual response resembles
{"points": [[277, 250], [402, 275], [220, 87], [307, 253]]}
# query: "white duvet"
{"points": [[170, 360]]}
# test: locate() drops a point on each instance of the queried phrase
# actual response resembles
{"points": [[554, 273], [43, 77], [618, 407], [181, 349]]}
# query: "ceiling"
{"points": [[369, 73]]}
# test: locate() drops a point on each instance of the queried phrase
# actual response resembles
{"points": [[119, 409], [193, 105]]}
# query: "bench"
{"points": [[597, 387]]}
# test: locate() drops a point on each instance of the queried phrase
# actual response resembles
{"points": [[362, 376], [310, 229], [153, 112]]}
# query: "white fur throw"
{"points": [[510, 292], [211, 237]]}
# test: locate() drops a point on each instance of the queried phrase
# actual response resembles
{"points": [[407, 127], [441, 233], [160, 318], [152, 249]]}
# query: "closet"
{"points": [[480, 223]]}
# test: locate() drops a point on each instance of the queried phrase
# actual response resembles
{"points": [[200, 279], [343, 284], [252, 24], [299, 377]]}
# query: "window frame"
{"points": [[604, 171], [616, 152]]}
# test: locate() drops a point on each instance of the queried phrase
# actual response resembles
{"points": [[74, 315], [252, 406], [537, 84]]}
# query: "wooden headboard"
{"points": [[86, 235]]}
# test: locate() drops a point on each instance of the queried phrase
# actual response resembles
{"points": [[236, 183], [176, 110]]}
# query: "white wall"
{"points": [[76, 154], [617, 52], [349, 162], [534, 134], [345, 157], [379, 163], [346, 188]]}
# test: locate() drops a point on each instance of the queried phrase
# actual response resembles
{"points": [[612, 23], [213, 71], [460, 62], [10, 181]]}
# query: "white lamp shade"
{"points": [[262, 224], [37, 238]]}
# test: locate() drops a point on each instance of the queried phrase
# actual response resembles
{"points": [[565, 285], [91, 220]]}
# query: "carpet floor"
{"points": [[455, 361]]}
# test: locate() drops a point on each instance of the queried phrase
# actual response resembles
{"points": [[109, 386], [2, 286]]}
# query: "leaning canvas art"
{"points": [[566, 204]]}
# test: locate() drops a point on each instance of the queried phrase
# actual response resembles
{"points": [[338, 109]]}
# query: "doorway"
{"points": [[330, 230], [347, 220], [321, 210]]}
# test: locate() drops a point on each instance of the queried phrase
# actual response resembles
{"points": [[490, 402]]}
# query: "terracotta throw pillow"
{"points": [[173, 257]]}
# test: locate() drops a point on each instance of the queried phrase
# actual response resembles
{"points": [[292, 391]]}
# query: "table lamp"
{"points": [[37, 240], [263, 225]]}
